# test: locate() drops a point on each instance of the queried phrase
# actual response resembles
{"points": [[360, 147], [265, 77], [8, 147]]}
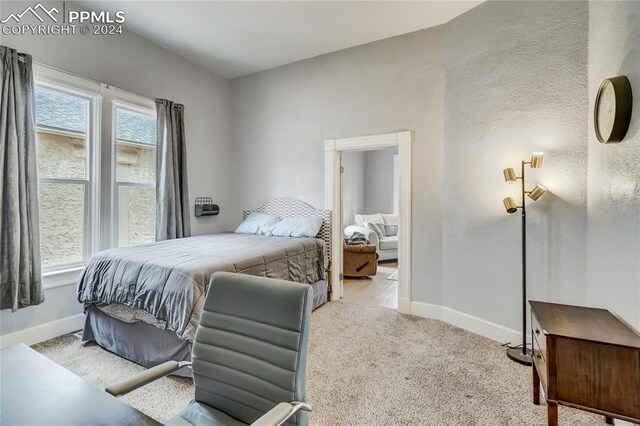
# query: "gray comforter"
{"points": [[169, 279]]}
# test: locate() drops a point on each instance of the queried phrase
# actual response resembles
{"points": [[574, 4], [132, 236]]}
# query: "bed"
{"points": [[144, 302]]}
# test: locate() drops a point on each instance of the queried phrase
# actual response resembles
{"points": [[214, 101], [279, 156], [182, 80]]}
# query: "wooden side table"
{"points": [[585, 358]]}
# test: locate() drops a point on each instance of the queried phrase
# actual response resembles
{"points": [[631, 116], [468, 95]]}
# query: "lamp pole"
{"points": [[524, 269], [523, 354]]}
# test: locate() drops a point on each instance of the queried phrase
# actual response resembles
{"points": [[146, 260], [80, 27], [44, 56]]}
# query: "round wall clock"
{"points": [[612, 112]]}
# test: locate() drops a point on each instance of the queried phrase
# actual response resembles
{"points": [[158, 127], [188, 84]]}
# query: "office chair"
{"points": [[249, 355]]}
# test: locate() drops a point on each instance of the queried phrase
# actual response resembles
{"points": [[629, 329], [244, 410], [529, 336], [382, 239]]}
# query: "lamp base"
{"points": [[515, 354]]}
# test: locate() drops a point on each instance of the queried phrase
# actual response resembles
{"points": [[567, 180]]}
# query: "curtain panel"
{"points": [[172, 194], [20, 266]]}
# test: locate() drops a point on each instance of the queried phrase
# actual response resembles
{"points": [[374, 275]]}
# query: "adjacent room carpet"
{"points": [[367, 365]]}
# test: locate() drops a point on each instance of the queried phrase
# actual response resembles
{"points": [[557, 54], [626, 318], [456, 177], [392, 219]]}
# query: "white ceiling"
{"points": [[236, 38]]}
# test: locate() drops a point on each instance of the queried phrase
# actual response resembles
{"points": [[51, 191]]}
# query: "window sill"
{"points": [[61, 277]]}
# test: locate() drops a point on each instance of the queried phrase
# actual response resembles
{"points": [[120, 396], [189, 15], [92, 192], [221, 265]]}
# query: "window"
{"points": [[135, 175], [64, 170], [96, 164]]}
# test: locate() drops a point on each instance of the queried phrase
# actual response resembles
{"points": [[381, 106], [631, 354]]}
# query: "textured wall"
{"points": [[131, 62], [62, 205], [136, 215], [280, 118], [516, 82], [613, 263]]}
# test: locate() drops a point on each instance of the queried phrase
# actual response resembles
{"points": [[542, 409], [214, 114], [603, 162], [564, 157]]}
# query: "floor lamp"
{"points": [[523, 354]]}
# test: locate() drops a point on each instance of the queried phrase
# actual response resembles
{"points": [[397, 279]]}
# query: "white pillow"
{"points": [[390, 230], [375, 227], [257, 223], [390, 219], [304, 226]]}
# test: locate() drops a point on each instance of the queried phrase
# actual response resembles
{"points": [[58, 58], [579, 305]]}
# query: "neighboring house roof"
{"points": [[67, 113], [134, 127], [60, 112]]}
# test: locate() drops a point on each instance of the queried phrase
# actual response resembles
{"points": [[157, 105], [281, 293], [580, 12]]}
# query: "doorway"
{"points": [[334, 151], [370, 224]]}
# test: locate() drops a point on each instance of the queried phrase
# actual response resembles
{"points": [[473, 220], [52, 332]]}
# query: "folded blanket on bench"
{"points": [[356, 239]]}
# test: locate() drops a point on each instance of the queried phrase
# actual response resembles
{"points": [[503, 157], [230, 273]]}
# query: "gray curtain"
{"points": [[20, 269], [172, 194]]}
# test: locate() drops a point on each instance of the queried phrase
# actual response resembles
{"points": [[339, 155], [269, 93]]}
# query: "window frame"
{"points": [[100, 225], [118, 102], [68, 85]]}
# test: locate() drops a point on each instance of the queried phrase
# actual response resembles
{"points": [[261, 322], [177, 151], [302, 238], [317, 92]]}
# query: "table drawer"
{"points": [[538, 335], [540, 363]]}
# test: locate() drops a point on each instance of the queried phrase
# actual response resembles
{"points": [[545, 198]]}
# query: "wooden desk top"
{"points": [[583, 323], [36, 391]]}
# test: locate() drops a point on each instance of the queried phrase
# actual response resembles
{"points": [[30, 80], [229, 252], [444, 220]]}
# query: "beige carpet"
{"points": [[379, 368]]}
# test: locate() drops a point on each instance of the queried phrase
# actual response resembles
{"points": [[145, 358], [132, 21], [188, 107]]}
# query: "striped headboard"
{"points": [[290, 207]]}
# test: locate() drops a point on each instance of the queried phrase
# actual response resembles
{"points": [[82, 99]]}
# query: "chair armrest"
{"points": [[146, 377], [281, 413]]}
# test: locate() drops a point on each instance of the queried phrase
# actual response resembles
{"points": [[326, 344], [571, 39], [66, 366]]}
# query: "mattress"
{"points": [[169, 279], [131, 315]]}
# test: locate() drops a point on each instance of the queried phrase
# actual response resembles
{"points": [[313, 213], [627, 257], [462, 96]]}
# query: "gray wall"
{"points": [[481, 92], [280, 118], [379, 181], [519, 77], [131, 62], [516, 82], [613, 256], [353, 185], [367, 183]]}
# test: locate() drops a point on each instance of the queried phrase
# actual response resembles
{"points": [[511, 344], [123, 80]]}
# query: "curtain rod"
{"points": [[109, 86]]}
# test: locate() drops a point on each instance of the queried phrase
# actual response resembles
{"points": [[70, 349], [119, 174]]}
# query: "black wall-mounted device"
{"points": [[205, 207]]}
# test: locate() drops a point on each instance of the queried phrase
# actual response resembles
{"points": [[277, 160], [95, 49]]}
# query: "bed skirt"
{"points": [[149, 345], [139, 342]]}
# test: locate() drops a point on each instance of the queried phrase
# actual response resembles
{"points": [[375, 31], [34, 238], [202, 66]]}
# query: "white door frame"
{"points": [[333, 149]]}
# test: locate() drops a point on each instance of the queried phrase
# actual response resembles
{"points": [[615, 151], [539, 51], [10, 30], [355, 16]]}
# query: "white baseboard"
{"points": [[467, 322], [425, 310], [476, 325], [404, 305], [42, 332]]}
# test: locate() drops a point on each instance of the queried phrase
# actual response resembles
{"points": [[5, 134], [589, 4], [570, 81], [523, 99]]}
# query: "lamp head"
{"points": [[509, 175], [510, 205], [536, 160], [537, 192]]}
